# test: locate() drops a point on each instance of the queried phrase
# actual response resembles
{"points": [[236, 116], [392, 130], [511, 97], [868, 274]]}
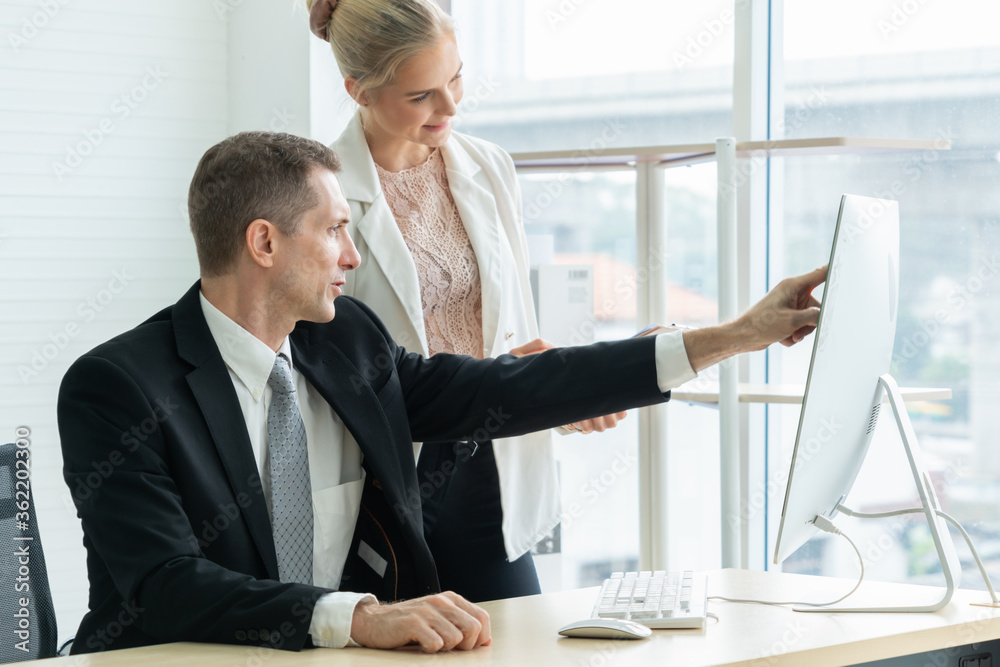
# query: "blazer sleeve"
{"points": [[453, 397], [134, 521]]}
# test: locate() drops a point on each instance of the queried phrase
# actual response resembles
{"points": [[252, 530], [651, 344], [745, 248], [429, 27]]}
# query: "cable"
{"points": [[944, 515], [825, 525], [879, 515]]}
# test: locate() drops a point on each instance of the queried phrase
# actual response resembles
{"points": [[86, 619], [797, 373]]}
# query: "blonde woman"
{"points": [[436, 217]]}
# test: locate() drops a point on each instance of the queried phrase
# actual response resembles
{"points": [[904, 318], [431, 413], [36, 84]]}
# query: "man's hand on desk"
{"points": [[436, 623]]}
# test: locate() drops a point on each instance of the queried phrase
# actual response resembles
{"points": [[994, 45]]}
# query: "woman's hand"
{"points": [[534, 347], [599, 424]]}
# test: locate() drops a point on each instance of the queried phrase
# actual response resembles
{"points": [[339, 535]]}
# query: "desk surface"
{"points": [[524, 633]]}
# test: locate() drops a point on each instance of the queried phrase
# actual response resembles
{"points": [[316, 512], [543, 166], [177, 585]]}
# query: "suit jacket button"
{"points": [[241, 636], [253, 636]]}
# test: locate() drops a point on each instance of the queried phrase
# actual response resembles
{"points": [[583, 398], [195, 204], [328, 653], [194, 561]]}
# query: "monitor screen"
{"points": [[852, 347]]}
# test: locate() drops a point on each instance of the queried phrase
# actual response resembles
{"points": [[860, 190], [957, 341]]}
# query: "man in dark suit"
{"points": [[242, 461]]}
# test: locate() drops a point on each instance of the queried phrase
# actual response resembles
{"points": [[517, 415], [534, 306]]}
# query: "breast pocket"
{"points": [[336, 511]]}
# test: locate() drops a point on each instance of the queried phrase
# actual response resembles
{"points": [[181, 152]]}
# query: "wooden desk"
{"points": [[524, 633]]}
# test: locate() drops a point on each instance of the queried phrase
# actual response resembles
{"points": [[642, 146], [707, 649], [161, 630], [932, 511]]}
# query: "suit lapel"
{"points": [[213, 390], [330, 371], [478, 211]]}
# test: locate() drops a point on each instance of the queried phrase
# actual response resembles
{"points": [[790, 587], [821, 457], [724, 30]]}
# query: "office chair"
{"points": [[27, 617]]}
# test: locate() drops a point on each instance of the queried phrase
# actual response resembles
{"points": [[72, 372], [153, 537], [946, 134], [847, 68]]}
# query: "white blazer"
{"points": [[484, 185]]}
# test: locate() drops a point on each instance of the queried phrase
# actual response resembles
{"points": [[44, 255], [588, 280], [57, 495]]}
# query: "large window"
{"points": [[913, 70], [582, 225], [693, 524], [545, 74], [871, 69]]}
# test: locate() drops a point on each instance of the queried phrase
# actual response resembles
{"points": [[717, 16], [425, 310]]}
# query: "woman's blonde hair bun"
{"points": [[371, 39]]}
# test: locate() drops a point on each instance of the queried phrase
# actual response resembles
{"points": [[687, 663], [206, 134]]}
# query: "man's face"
{"points": [[312, 264]]}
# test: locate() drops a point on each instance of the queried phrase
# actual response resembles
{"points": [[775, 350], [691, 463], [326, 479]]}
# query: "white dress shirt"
{"points": [[334, 456], [334, 465]]}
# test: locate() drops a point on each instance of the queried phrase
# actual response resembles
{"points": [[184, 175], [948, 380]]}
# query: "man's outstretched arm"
{"points": [[786, 314]]}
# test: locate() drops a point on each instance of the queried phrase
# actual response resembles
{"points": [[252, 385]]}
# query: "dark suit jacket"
{"points": [[157, 457]]}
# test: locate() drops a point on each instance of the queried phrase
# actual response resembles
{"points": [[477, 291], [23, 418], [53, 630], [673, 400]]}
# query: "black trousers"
{"points": [[460, 492]]}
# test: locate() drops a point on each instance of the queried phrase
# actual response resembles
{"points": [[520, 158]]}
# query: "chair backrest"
{"points": [[27, 617]]}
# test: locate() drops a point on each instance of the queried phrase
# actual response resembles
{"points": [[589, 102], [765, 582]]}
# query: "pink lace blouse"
{"points": [[450, 288]]}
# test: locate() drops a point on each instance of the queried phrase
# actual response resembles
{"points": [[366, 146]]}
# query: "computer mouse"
{"points": [[606, 628]]}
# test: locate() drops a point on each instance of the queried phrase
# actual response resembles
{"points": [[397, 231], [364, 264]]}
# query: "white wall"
{"points": [[105, 108], [268, 82], [281, 78]]}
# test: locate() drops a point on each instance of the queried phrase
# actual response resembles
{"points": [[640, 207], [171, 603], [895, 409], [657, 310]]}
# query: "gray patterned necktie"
{"points": [[291, 489]]}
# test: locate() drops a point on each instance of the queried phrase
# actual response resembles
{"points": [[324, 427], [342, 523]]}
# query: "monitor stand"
{"points": [[929, 502]]}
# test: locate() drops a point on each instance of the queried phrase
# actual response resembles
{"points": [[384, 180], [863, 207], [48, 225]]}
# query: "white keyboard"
{"points": [[655, 599]]}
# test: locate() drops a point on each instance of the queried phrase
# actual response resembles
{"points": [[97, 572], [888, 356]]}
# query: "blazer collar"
{"points": [[213, 390], [327, 368], [358, 178], [458, 159], [476, 207]]}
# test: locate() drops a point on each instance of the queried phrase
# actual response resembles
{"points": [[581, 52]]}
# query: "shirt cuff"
{"points": [[331, 620], [672, 366]]}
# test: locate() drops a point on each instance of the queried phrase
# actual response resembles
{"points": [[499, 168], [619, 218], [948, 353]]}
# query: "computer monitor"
{"points": [[848, 377]]}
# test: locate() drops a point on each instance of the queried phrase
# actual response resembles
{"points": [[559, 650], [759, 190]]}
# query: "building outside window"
{"points": [[579, 76]]}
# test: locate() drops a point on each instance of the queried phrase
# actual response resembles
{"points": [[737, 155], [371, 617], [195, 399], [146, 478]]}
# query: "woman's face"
{"points": [[418, 106]]}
